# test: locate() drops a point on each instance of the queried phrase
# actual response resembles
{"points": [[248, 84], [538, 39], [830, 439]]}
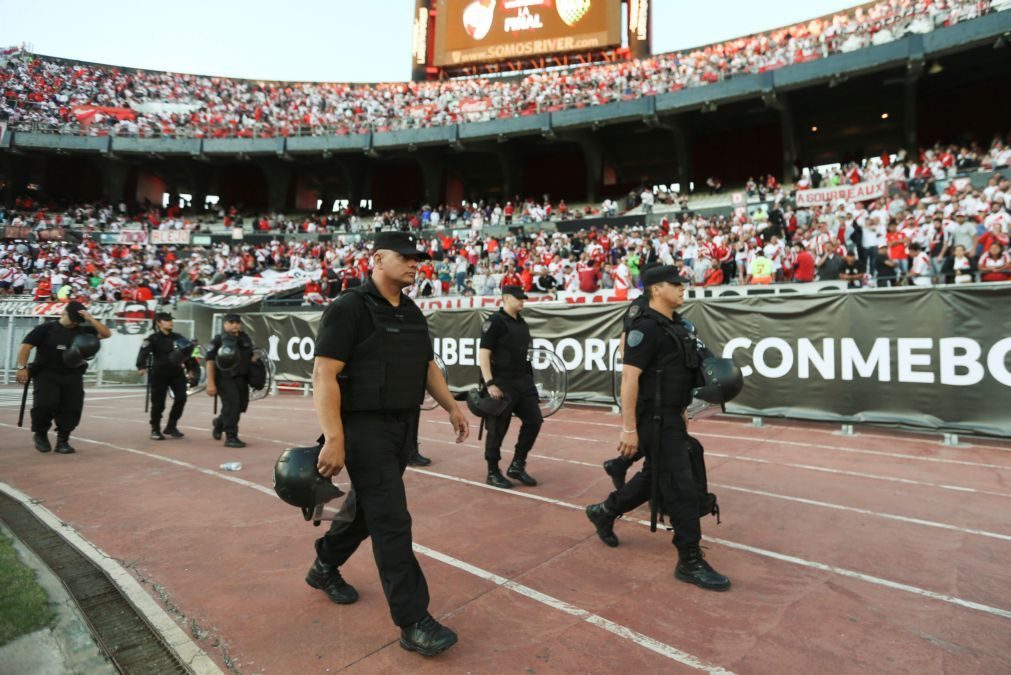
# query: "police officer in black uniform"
{"points": [[228, 362], [58, 373], [660, 359], [374, 361], [505, 341], [163, 355]]}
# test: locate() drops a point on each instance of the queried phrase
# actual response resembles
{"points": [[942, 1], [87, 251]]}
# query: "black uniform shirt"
{"points": [[635, 309], [51, 340], [347, 322], [500, 332], [159, 345]]}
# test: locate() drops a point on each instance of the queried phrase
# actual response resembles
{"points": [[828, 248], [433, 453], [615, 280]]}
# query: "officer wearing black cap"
{"points": [[374, 362], [62, 349], [228, 362], [661, 369], [163, 355], [505, 341]]}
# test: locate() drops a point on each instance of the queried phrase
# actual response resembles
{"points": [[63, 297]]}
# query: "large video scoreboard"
{"points": [[453, 35]]}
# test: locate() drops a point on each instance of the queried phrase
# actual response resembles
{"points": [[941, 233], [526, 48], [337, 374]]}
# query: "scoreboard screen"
{"points": [[476, 31]]}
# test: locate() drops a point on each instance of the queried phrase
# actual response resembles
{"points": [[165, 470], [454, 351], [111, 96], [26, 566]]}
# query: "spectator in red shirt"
{"points": [[804, 268]]}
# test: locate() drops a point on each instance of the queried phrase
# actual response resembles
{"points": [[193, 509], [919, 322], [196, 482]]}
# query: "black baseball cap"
{"points": [[659, 273], [515, 291], [162, 316], [232, 317], [401, 242]]}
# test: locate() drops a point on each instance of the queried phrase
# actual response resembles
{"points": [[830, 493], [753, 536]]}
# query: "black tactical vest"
{"points": [[49, 354], [509, 358], [387, 371], [679, 360]]}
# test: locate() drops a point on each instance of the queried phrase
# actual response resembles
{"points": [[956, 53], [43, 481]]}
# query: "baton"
{"points": [[24, 401], [654, 482], [147, 387], [215, 404]]}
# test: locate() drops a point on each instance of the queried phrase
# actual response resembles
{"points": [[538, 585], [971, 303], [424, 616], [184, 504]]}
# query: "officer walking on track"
{"points": [[163, 355], [659, 374], [228, 364], [507, 372], [62, 349], [374, 361]]}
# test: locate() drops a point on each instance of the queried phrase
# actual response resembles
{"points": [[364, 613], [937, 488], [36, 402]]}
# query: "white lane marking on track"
{"points": [[619, 630], [562, 606], [813, 502], [808, 467], [157, 618], [87, 399], [995, 611]]}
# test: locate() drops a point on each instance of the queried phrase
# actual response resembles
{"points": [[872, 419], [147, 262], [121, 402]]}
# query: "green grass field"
{"points": [[24, 607]]}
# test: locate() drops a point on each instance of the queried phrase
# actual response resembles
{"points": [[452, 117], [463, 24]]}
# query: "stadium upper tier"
{"points": [[96, 103]]}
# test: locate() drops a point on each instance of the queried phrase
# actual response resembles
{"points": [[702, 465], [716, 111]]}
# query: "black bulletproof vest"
{"points": [[509, 358], [244, 347], [388, 369], [161, 345], [49, 355], [679, 360]]}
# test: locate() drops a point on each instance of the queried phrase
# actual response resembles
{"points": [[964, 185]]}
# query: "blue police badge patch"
{"points": [[635, 338], [633, 311]]}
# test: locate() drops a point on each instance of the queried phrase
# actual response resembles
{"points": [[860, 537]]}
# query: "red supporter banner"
{"points": [[132, 237], [165, 237], [848, 193], [52, 234], [421, 111], [475, 106], [17, 231], [85, 114]]}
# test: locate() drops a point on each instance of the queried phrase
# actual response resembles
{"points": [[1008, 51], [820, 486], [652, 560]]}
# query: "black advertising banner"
{"points": [[289, 340], [584, 337], [936, 358]]}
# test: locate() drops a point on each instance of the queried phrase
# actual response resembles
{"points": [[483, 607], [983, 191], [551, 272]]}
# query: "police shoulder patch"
{"points": [[633, 311], [486, 326], [635, 338]]}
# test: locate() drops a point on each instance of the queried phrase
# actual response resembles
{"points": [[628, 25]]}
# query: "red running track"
{"points": [[882, 551]]}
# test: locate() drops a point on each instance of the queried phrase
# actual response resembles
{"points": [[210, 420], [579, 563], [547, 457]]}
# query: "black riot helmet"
{"points": [[227, 359], [81, 350], [182, 349], [298, 482], [482, 404], [723, 381]]}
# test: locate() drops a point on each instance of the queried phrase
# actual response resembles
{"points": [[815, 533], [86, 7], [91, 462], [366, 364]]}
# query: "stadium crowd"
{"points": [[48, 94], [917, 234]]}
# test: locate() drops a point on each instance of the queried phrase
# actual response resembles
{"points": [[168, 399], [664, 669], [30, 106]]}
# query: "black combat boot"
{"points": [[518, 471], [173, 432], [63, 445], [418, 459], [41, 441], [156, 435], [234, 442], [216, 428], [428, 637], [616, 470], [693, 568], [603, 520], [328, 579], [496, 479]]}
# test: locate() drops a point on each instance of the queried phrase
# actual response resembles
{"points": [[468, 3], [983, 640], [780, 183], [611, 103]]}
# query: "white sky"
{"points": [[323, 40]]}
